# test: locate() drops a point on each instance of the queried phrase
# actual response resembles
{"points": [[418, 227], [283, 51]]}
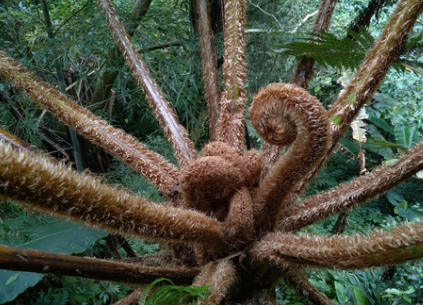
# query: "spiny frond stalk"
{"points": [[374, 68], [358, 191], [54, 188], [220, 276], [210, 73], [233, 99], [381, 248], [48, 263], [152, 166], [176, 134]]}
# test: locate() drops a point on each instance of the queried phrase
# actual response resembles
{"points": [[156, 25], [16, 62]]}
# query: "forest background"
{"points": [[278, 33]]}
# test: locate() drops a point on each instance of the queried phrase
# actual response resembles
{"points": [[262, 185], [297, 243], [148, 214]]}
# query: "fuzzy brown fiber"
{"points": [[284, 114]]}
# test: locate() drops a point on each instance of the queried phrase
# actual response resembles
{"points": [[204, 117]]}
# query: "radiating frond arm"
{"points": [[53, 263], [285, 114], [358, 191], [37, 184], [302, 75], [220, 276], [151, 165], [375, 66], [232, 103], [176, 134], [210, 73], [380, 248]]}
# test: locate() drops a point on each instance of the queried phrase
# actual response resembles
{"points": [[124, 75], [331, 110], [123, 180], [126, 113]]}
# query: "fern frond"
{"points": [[171, 294], [329, 50]]}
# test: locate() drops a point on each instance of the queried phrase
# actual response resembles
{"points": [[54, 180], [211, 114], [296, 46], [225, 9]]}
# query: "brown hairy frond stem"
{"points": [[176, 134], [38, 184], [232, 103], [374, 67], [221, 279], [284, 114], [380, 248], [151, 165], [303, 74], [93, 268], [210, 73], [358, 191]]}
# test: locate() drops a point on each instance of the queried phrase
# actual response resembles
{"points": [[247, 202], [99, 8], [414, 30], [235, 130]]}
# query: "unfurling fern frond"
{"points": [[171, 294], [329, 50]]}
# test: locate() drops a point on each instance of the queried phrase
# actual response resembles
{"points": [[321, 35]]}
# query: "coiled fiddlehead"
{"points": [[284, 114]]}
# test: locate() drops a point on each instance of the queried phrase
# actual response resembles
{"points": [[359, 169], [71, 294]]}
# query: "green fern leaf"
{"points": [[171, 294], [329, 50]]}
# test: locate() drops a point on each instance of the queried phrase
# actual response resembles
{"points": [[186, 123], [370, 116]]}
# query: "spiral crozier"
{"points": [[284, 114]]}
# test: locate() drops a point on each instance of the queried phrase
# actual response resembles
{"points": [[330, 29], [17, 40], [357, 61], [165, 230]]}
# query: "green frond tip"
{"points": [[336, 119], [172, 294]]}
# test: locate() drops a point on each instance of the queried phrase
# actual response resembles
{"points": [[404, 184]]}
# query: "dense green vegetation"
{"points": [[168, 41]]}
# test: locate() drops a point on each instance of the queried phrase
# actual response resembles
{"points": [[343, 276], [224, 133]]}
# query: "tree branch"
{"points": [[183, 147], [93, 268]]}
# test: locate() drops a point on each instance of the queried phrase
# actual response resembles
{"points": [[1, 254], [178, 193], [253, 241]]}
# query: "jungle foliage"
{"points": [[210, 76]]}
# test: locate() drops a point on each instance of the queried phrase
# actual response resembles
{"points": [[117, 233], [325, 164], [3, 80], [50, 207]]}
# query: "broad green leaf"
{"points": [[401, 205], [393, 291], [340, 293], [23, 281], [381, 123], [394, 197], [406, 136], [44, 233], [360, 296]]}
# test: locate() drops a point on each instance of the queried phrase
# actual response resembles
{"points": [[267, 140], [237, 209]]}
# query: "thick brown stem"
{"points": [[353, 193], [233, 98], [381, 248], [152, 166], [52, 263], [108, 77], [210, 73], [54, 188], [183, 147]]}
